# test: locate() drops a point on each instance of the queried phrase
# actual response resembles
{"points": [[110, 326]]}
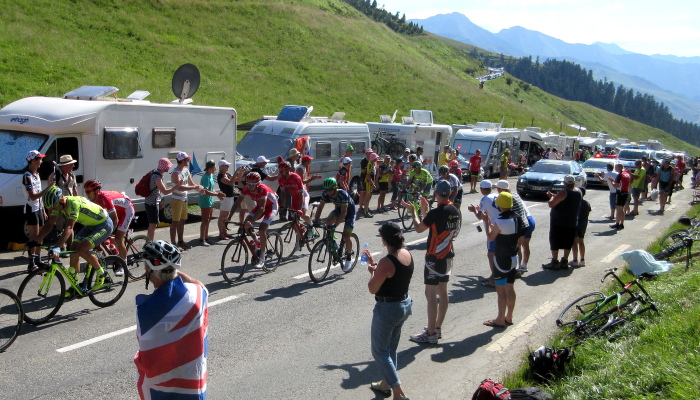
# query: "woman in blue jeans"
{"points": [[389, 282]]}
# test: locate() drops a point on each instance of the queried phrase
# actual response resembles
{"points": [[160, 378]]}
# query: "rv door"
{"points": [[63, 145]]}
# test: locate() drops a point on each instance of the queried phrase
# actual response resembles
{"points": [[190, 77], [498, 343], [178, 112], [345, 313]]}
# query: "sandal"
{"points": [[377, 387], [492, 324]]}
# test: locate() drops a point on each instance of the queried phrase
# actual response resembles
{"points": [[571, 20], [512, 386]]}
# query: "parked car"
{"points": [[628, 156], [548, 175], [594, 166]]}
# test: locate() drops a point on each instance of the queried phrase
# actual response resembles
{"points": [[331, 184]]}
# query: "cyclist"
{"points": [[455, 185], [344, 211], [119, 209], [97, 227], [265, 200], [420, 177], [292, 184]]}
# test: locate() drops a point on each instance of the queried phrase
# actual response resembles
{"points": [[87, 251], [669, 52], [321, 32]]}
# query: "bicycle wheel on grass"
{"points": [[234, 261], [113, 287], [136, 265], [673, 237], [273, 251], [319, 262], [355, 252], [290, 240], [579, 308], [41, 294], [10, 318]]}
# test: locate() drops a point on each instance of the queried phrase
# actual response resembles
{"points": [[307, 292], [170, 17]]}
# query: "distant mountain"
{"points": [[675, 80]]}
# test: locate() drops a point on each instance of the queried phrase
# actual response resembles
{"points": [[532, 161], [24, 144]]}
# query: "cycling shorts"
{"points": [[349, 223], [96, 234], [304, 204], [269, 213], [125, 215], [458, 198]]}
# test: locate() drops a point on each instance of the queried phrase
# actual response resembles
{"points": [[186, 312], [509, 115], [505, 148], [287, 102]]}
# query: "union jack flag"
{"points": [[172, 333]]}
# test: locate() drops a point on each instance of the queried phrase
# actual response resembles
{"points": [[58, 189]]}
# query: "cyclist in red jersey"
{"points": [[292, 184], [265, 200]]}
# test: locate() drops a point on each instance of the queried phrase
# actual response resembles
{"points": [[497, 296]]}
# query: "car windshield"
{"points": [[632, 154], [15, 146], [466, 148], [551, 168], [255, 144], [663, 154], [596, 164]]}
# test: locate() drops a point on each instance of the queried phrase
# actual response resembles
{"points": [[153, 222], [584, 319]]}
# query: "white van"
{"points": [[326, 140], [416, 130], [591, 144], [531, 144], [492, 140], [116, 141], [568, 144]]}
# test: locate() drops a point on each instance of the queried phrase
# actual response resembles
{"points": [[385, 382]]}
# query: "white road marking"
{"points": [[416, 241], [131, 328], [651, 224], [613, 255], [534, 205], [517, 331]]}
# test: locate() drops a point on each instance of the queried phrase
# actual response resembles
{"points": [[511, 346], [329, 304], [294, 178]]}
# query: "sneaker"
{"points": [[615, 226], [582, 263], [523, 267], [377, 387], [553, 265], [119, 271], [203, 242], [573, 263], [621, 227], [563, 263], [99, 282], [259, 264], [183, 245], [347, 265], [424, 337], [368, 214], [283, 218], [438, 331]]}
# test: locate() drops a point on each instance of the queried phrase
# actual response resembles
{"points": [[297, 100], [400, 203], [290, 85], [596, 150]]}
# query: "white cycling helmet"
{"points": [[161, 254]]}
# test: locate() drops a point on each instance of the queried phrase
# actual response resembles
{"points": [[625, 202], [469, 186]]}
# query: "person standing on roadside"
{"points": [[182, 182], [206, 201], [383, 178], [505, 159], [666, 180], [367, 182], [442, 222], [344, 173], [389, 282], [65, 179], [638, 182], [158, 189], [487, 207], [622, 185], [609, 177], [34, 212], [225, 181], [445, 157], [524, 220], [474, 169], [563, 219], [579, 248], [396, 178]]}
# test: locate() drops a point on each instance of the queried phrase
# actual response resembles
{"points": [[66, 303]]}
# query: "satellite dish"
{"points": [[185, 82]]}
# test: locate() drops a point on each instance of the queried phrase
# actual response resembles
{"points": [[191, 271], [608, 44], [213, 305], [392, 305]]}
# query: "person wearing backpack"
{"points": [[157, 190]]}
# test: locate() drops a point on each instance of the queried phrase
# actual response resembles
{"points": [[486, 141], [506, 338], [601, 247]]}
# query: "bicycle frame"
{"points": [[329, 238], [57, 265], [617, 296]]}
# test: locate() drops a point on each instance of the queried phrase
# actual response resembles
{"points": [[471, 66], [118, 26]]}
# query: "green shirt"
{"points": [[82, 210], [423, 177], [638, 183], [207, 182]]}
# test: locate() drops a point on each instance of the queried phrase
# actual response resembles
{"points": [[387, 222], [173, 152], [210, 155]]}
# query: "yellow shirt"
{"points": [[443, 159]]}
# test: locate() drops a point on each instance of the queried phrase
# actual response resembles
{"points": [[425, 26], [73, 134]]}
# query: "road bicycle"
{"points": [[241, 253], [136, 264], [392, 146], [11, 316], [412, 196], [327, 252], [43, 291], [296, 234], [595, 313], [679, 239]]}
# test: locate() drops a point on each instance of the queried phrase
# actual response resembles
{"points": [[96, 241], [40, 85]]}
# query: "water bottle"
{"points": [[363, 257], [112, 249]]}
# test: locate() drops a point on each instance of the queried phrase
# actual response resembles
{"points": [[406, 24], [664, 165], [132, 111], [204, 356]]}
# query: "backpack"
{"points": [[490, 390], [530, 393], [143, 188], [546, 361]]}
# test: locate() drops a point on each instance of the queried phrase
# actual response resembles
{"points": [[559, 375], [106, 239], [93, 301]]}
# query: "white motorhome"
{"points": [[416, 130], [531, 144], [652, 144], [492, 140], [113, 140], [591, 144], [323, 138], [568, 144]]}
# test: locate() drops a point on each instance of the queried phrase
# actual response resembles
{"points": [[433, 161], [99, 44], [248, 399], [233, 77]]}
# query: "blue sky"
{"points": [[641, 26]]}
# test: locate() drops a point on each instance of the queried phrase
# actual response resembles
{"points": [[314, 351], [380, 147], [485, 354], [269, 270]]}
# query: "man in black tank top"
{"points": [[563, 222]]}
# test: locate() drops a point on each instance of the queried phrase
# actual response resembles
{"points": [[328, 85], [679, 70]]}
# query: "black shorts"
{"points": [[33, 217], [581, 231], [383, 186], [458, 198], [621, 198], [561, 237], [437, 271], [474, 173], [152, 213], [499, 276]]}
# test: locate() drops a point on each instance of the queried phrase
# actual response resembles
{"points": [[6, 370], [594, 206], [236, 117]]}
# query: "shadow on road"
{"points": [[465, 347]]}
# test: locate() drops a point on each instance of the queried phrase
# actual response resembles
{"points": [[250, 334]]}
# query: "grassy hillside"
{"points": [[257, 56]]}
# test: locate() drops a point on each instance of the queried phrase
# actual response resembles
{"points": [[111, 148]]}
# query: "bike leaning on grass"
{"points": [[43, 291]]}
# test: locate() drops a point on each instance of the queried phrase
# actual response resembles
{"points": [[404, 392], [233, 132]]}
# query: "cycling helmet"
{"points": [[161, 254], [52, 196], [454, 163], [443, 170], [416, 164], [329, 183], [252, 177], [284, 165], [92, 184]]}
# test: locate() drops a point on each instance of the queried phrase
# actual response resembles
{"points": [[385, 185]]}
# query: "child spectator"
{"points": [[579, 247]]}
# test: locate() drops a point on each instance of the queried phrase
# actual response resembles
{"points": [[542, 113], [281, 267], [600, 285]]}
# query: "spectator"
{"points": [[638, 181], [294, 157], [182, 182], [367, 183], [610, 176], [344, 173], [579, 248], [455, 169], [505, 160], [153, 201], [504, 231], [442, 222], [445, 156], [622, 185], [524, 219], [34, 212], [474, 169], [396, 177], [304, 171], [389, 282], [665, 179], [562, 222], [487, 207], [171, 329], [206, 201], [681, 171], [64, 178], [419, 155], [226, 182], [383, 178]]}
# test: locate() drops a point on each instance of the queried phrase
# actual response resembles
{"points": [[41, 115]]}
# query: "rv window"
{"points": [[15, 146], [256, 144], [59, 147], [323, 149], [341, 147], [163, 138], [121, 143], [359, 147]]}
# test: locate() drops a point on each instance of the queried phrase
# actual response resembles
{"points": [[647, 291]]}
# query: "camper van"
{"points": [[591, 144], [416, 130], [116, 141], [323, 138], [531, 145], [492, 140], [568, 144]]}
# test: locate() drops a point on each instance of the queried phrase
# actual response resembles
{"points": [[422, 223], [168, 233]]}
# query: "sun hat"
{"points": [[262, 159], [224, 162], [346, 160], [293, 152], [485, 184], [32, 154], [503, 184], [66, 159], [369, 150], [181, 156], [443, 188], [164, 164], [504, 200], [373, 156]]}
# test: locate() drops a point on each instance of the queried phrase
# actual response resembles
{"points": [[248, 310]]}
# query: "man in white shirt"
{"points": [[610, 177], [487, 206], [182, 182]]}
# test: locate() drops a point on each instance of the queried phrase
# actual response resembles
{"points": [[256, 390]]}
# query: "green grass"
{"points": [[257, 56], [654, 357]]}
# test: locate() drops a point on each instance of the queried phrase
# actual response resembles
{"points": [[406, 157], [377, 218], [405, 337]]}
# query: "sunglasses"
{"points": [[251, 183]]}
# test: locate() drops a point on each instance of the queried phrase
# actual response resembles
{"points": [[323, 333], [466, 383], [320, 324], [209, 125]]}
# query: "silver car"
{"points": [[597, 166]]}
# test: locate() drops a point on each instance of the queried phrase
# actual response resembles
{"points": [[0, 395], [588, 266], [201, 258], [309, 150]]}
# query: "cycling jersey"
{"points": [[442, 222], [82, 210], [293, 185], [116, 202], [624, 179], [262, 193], [342, 198], [453, 180], [385, 172], [342, 175], [423, 177], [32, 184], [475, 163]]}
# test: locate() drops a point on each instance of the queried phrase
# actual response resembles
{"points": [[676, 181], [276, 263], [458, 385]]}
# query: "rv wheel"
{"points": [[166, 214]]}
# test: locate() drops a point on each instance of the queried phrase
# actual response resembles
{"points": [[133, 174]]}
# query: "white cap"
{"points": [[503, 184], [181, 156], [262, 159], [406, 150], [485, 184], [346, 160], [224, 162], [569, 179]]}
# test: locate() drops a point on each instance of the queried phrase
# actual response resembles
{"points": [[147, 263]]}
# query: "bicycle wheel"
{"points": [[234, 261], [377, 146], [290, 240], [395, 150], [273, 251], [355, 241], [136, 265], [113, 288], [673, 237], [41, 294], [313, 236], [10, 318], [406, 217], [579, 308], [319, 262]]}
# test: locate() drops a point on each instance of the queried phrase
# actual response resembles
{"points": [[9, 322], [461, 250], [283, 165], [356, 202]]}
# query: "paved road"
{"points": [[281, 336]]}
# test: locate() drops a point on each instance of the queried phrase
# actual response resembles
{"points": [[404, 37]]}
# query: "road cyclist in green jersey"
{"points": [[97, 227], [420, 177], [344, 211]]}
